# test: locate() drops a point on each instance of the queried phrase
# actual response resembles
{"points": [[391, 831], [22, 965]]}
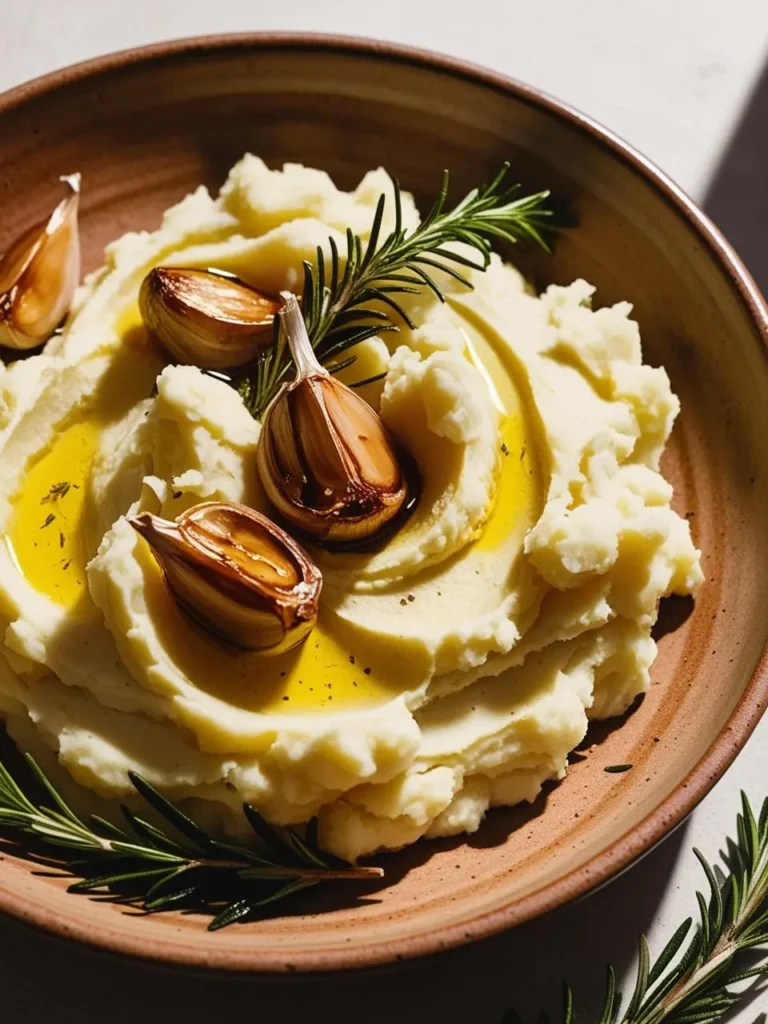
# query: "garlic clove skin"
{"points": [[237, 575], [326, 461], [39, 275], [206, 319]]}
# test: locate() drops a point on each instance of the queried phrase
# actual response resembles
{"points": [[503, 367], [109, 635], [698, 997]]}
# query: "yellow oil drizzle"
{"points": [[47, 536], [336, 667], [131, 324], [520, 485], [519, 490]]}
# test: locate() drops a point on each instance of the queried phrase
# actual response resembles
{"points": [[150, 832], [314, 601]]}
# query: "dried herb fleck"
{"points": [[59, 490]]}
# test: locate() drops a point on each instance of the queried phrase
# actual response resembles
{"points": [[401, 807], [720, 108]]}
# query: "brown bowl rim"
{"points": [[621, 854]]}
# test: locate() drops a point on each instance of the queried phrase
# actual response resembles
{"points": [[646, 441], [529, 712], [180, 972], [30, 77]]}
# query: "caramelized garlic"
{"points": [[237, 575], [39, 275], [327, 462], [207, 319]]}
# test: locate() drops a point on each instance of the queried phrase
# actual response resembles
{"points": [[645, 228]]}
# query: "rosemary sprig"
{"points": [[337, 300], [177, 867], [158, 868], [693, 983]]}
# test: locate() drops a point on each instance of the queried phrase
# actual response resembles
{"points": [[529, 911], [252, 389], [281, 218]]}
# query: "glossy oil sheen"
{"points": [[345, 107], [336, 669], [48, 526]]}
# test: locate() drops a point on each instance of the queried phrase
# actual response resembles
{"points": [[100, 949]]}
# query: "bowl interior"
{"points": [[144, 133]]}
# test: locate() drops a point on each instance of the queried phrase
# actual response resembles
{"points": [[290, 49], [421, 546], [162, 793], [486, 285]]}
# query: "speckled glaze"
{"points": [[145, 127]]}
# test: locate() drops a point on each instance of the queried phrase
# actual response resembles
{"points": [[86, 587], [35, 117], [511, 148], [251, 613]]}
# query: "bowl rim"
{"points": [[673, 810]]}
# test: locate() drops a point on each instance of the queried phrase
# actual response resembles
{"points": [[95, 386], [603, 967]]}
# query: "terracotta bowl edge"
{"points": [[754, 701]]}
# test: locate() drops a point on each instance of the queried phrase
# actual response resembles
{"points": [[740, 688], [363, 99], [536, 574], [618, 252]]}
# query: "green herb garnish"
{"points": [[175, 865], [60, 490], [336, 302]]}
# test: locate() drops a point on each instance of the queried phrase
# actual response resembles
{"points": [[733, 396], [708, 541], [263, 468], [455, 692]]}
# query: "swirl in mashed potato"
{"points": [[451, 670]]}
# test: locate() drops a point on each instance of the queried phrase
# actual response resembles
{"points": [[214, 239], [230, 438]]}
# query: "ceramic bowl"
{"points": [[147, 126]]}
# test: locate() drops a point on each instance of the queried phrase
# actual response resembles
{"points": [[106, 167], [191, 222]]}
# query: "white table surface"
{"points": [[675, 78]]}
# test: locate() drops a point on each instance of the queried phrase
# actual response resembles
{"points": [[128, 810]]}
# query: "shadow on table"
{"points": [[737, 198]]}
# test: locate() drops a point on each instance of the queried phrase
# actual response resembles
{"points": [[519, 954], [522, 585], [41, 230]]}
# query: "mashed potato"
{"points": [[451, 670]]}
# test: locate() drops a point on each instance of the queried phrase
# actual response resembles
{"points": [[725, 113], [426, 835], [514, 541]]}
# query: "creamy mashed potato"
{"points": [[451, 670]]}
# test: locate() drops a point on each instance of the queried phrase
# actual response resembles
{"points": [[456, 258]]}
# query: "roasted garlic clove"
{"points": [[207, 319], [326, 460], [39, 275], [237, 575]]}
